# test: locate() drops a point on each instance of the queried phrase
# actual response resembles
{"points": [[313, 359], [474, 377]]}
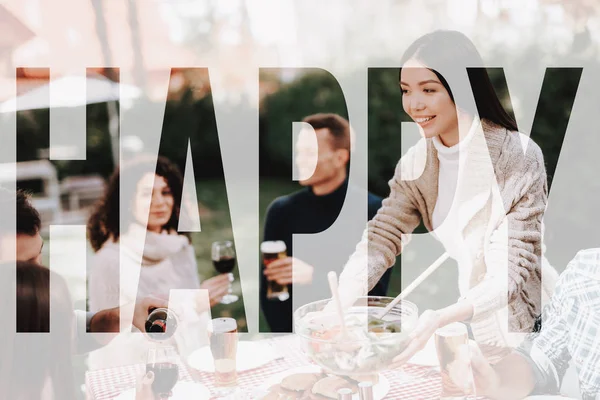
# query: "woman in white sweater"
{"points": [[143, 197], [474, 187]]}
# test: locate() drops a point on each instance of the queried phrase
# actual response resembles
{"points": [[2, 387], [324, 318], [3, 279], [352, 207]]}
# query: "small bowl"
{"points": [[370, 344]]}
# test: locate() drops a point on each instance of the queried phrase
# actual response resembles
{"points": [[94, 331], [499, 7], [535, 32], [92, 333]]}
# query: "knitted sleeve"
{"points": [[386, 232], [383, 239], [518, 245]]}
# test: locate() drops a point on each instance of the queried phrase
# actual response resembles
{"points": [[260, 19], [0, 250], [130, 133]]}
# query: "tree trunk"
{"points": [[110, 73], [136, 43]]}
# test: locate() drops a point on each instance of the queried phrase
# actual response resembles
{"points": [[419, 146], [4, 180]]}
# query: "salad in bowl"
{"points": [[369, 343]]}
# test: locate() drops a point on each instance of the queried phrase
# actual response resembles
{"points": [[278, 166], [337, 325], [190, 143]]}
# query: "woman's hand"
{"points": [[428, 323], [143, 390], [217, 288]]}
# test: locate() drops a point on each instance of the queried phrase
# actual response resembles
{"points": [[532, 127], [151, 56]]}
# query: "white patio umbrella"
{"points": [[76, 91], [67, 93]]}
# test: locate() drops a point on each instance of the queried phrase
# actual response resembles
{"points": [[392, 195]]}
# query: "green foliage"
{"points": [[553, 113], [99, 150], [194, 119], [553, 109], [33, 135], [314, 91], [385, 117], [317, 91], [30, 137]]}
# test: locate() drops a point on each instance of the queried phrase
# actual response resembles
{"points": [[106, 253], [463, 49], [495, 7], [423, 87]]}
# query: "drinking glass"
{"points": [[223, 337], [271, 251], [162, 360], [223, 258], [457, 376]]}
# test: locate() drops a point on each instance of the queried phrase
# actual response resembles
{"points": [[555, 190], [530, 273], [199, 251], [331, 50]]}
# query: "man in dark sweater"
{"points": [[312, 210]]}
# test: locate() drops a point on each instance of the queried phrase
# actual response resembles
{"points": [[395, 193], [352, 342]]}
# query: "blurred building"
{"points": [[68, 36]]}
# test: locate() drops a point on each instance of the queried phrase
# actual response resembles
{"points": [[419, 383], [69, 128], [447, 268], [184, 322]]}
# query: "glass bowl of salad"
{"points": [[369, 344]]}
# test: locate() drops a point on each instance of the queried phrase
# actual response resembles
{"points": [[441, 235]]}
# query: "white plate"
{"points": [[379, 391], [181, 391], [250, 355]]}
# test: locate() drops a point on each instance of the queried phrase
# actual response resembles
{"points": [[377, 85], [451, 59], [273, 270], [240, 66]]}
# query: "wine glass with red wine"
{"points": [[223, 258], [162, 361]]}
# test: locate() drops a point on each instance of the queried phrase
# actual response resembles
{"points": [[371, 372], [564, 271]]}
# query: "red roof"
{"points": [[66, 37]]}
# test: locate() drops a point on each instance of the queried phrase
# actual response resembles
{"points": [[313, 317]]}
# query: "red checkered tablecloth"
{"points": [[414, 382]]}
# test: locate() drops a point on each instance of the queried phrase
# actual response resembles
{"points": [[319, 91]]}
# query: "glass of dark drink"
{"points": [[223, 258], [162, 361], [271, 251]]}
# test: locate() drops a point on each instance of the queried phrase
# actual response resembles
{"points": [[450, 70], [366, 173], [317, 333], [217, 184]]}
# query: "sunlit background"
{"points": [[45, 41]]}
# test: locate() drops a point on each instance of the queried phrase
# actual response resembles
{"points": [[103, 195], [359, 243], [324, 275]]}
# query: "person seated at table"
{"points": [[311, 210], [568, 338], [35, 360], [156, 257], [36, 354], [25, 244]]}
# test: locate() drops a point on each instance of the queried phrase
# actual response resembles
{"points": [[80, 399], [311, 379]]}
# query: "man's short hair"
{"points": [[28, 218], [339, 128]]}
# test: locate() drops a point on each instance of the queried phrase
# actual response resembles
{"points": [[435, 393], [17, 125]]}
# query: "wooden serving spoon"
{"points": [[424, 275]]}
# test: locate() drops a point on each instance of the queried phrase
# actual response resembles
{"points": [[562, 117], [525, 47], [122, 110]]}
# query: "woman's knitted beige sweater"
{"points": [[502, 197]]}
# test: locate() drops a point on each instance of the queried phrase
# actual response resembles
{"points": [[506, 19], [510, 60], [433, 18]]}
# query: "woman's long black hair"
{"points": [[453, 52]]}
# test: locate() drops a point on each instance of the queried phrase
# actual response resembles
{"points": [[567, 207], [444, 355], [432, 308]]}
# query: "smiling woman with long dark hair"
{"points": [[447, 181]]}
